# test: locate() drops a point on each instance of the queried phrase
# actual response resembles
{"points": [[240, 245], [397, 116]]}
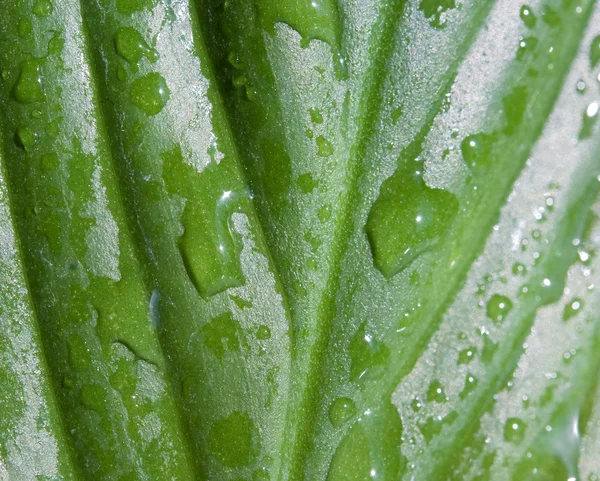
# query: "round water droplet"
{"points": [[306, 183], [477, 150], [527, 45], [366, 354], [467, 355], [498, 307], [234, 440], [150, 93], [341, 411], [528, 17], [514, 430], [435, 393]]}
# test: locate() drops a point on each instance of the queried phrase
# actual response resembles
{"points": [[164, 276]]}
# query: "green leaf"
{"points": [[332, 240]]}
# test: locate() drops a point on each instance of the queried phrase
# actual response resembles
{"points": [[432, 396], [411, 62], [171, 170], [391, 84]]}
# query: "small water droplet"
{"points": [[324, 147], [433, 10], [42, 8], [470, 385], [306, 183], [341, 411], [234, 440], [498, 307], [572, 308], [528, 17], [435, 393], [527, 46], [467, 355], [477, 150], [263, 333], [590, 117], [514, 430], [316, 116], [150, 93]]}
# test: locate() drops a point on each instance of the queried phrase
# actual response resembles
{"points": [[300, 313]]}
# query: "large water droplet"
{"points": [[234, 440], [150, 93], [28, 88], [407, 219]]}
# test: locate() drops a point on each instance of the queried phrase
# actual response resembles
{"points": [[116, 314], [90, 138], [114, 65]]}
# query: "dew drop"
{"points": [[498, 308], [25, 137], [477, 150], [150, 93], [306, 183], [590, 117], [222, 334], [435, 393], [263, 333], [527, 46], [467, 355], [129, 7], [24, 27], [433, 10], [316, 116], [470, 385]]}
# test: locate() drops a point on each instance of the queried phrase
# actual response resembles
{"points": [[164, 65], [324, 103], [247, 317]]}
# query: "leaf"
{"points": [[331, 240]]}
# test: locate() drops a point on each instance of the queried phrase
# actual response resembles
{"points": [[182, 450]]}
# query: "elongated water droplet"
{"points": [[528, 17], [435, 393], [572, 309], [407, 219], [130, 45], [595, 52], [150, 93], [234, 440], [590, 117]]}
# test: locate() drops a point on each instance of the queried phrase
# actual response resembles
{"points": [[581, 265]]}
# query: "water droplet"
{"points": [[371, 448], [315, 115], [42, 8], [407, 219], [572, 309], [130, 45], [515, 105], [341, 411], [489, 349], [28, 88], [434, 424], [595, 52], [470, 385], [324, 213], [366, 353], [550, 16], [590, 117], [79, 353], [222, 334], [528, 17], [467, 355], [527, 46], [263, 333], [477, 150], [324, 147], [306, 183], [150, 93], [25, 137], [234, 440], [519, 269], [435, 393], [24, 27], [581, 87], [514, 430], [498, 308], [433, 9]]}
